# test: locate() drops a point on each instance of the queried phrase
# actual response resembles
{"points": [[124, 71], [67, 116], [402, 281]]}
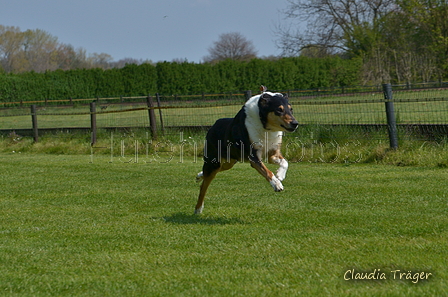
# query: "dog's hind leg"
{"points": [[207, 175], [207, 179]]}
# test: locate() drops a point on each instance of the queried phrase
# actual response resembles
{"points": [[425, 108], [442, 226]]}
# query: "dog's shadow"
{"points": [[186, 219]]}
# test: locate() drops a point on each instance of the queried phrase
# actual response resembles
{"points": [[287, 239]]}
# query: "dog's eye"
{"points": [[279, 110]]}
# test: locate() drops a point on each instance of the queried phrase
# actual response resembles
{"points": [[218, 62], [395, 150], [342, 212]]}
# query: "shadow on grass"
{"points": [[185, 219]]}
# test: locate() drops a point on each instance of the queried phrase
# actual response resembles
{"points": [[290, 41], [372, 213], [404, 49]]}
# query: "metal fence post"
{"points": [[34, 120], [93, 122], [390, 114]]}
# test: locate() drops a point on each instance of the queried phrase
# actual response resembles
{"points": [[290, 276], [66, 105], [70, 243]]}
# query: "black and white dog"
{"points": [[254, 133]]}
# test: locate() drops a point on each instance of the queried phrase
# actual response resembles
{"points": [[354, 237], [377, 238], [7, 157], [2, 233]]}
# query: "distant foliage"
{"points": [[400, 41], [185, 78], [232, 46]]}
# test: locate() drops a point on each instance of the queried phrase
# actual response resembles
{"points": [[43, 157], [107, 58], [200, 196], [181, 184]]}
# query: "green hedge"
{"points": [[170, 78]]}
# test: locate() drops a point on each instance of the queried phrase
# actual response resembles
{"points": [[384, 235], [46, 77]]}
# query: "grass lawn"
{"points": [[69, 227]]}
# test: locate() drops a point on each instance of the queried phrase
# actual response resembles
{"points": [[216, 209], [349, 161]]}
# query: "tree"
{"points": [[10, 42], [67, 57], [39, 51], [129, 61], [335, 25], [102, 60], [397, 40], [232, 46], [428, 29]]}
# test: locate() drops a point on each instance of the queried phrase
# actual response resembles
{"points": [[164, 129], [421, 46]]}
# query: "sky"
{"points": [[156, 30]]}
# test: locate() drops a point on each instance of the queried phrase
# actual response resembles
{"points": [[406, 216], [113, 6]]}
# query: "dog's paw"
{"points": [[199, 210], [276, 184], [199, 177]]}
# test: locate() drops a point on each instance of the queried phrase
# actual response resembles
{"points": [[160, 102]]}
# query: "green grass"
{"points": [[309, 144], [74, 228]]}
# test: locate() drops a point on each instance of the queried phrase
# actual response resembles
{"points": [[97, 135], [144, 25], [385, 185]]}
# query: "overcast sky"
{"points": [[154, 30]]}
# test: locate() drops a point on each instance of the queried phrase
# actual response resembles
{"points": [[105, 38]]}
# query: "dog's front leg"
{"points": [[281, 172], [256, 163], [275, 157]]}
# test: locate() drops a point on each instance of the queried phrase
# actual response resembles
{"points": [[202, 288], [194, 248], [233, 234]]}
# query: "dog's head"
{"points": [[276, 112]]}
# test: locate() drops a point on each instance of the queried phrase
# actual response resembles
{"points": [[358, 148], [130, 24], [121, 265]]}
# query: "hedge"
{"points": [[170, 78]]}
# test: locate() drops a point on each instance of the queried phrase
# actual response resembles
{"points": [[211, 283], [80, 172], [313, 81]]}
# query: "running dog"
{"points": [[254, 133]]}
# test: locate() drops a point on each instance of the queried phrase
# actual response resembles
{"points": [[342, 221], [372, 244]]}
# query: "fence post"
{"points": [[160, 113], [34, 120], [390, 114], [152, 117], [248, 94], [93, 122]]}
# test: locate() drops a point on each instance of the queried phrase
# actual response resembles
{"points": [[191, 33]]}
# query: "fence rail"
{"points": [[117, 100]]}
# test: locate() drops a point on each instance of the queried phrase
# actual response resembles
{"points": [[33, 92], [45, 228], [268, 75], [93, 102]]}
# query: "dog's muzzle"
{"points": [[292, 126]]}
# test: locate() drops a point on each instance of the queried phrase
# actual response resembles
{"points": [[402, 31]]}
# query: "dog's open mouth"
{"points": [[289, 129]]}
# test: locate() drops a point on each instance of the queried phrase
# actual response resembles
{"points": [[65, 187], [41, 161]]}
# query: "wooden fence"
{"points": [[425, 112]]}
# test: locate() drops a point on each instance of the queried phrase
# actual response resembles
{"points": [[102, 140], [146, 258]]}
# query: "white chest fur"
{"points": [[261, 139]]}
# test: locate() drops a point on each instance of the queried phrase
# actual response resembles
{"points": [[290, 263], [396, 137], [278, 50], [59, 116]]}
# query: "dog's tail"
{"points": [[263, 89]]}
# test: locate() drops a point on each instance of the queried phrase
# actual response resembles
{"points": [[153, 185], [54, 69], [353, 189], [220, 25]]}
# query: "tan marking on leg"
{"points": [[270, 177], [274, 156], [263, 170]]}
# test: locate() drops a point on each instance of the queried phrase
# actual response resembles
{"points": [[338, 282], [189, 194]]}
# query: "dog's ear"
{"points": [[264, 99], [285, 95], [263, 104]]}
